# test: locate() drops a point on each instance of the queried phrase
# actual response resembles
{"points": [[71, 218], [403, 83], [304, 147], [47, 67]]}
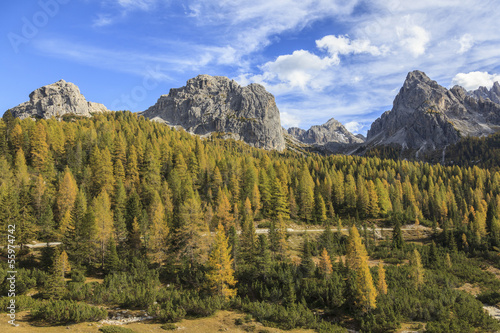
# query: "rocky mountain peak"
{"points": [[209, 104], [56, 100], [427, 116], [330, 132], [493, 94]]}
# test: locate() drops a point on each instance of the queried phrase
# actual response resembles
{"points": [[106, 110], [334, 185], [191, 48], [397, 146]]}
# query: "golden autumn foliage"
{"points": [[103, 220], [66, 194], [221, 274], [357, 260], [325, 263], [356, 251], [40, 155], [417, 269], [381, 283], [223, 212]]}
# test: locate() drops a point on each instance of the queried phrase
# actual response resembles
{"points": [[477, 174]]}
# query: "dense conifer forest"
{"points": [[167, 222]]}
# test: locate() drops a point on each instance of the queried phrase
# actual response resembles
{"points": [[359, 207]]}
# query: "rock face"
{"points": [[331, 131], [56, 100], [217, 104], [492, 94], [428, 116]]}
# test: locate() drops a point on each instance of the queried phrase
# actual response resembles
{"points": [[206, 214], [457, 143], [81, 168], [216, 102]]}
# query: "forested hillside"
{"points": [[168, 220]]}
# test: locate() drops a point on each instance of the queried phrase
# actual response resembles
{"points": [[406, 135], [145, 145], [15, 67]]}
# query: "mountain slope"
{"points": [[427, 116], [217, 104], [331, 131], [56, 100]]}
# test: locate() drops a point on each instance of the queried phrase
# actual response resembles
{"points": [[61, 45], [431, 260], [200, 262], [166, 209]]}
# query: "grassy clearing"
{"points": [[223, 321]]}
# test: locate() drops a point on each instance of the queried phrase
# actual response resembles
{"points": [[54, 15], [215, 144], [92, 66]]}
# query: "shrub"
{"points": [[115, 329], [169, 327], [489, 297], [77, 276], [62, 312], [22, 303]]}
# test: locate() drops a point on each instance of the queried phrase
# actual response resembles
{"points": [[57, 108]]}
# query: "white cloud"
{"points": [[414, 39], [250, 25], [353, 126], [394, 38], [305, 70], [298, 68], [466, 43], [474, 80], [289, 120], [343, 45]]}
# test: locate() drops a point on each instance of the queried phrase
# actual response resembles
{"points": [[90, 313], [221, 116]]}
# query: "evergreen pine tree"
{"points": [[397, 236], [111, 259]]}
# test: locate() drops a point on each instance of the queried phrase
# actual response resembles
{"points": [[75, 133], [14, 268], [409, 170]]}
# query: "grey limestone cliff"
{"points": [[217, 104], [427, 116], [492, 94], [56, 100], [331, 131]]}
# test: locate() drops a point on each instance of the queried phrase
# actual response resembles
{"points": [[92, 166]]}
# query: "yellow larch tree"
{"points": [[221, 274], [417, 269], [40, 156], [357, 260], [223, 213], [366, 293], [66, 194], [103, 220], [381, 283], [21, 169], [17, 137], [356, 251], [325, 263], [158, 229]]}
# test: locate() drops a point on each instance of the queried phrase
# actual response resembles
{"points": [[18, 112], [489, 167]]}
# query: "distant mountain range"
{"points": [[425, 116]]}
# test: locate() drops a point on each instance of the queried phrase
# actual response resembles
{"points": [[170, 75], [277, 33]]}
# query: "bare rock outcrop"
{"points": [[492, 94], [427, 116], [331, 131], [56, 100], [217, 104]]}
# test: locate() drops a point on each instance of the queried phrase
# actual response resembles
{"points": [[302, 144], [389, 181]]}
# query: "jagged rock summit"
{"points": [[56, 100], [217, 104], [331, 131], [427, 116], [492, 94]]}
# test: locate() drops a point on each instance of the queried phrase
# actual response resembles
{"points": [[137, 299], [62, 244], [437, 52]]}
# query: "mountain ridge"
{"points": [[56, 100], [331, 131], [425, 115], [208, 104]]}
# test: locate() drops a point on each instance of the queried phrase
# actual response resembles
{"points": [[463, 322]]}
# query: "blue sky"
{"points": [[344, 59]]}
